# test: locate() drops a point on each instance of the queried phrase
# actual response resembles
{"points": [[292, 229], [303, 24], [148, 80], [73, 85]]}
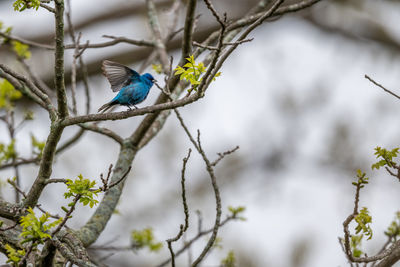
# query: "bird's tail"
{"points": [[106, 106]]}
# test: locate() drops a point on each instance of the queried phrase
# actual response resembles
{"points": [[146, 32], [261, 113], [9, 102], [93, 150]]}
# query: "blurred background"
{"points": [[294, 99]]}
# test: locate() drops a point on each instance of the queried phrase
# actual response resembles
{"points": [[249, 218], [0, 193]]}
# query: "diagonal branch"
{"points": [[101, 130], [381, 86], [210, 171], [38, 94]]}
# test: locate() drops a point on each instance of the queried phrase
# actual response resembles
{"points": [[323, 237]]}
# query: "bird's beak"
{"points": [[154, 81]]}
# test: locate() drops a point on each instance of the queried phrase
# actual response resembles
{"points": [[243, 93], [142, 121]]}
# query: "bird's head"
{"points": [[149, 77]]}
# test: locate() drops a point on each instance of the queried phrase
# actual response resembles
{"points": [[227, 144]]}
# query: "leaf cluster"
{"points": [[8, 94], [37, 146], [355, 244], [394, 228], [191, 72], [229, 260], [145, 238], [35, 229], [386, 157], [157, 68], [363, 220], [14, 255], [7, 152], [5, 30], [84, 189], [236, 212], [21, 5], [362, 179], [21, 50]]}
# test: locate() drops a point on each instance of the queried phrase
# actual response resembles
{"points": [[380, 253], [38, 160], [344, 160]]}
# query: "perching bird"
{"points": [[133, 88]]}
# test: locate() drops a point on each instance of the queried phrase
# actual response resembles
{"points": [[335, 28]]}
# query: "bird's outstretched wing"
{"points": [[118, 75]]}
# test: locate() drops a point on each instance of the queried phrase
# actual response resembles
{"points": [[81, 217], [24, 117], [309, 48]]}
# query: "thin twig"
{"points": [[44, 101], [222, 155], [9, 227], [182, 228], [224, 44], [49, 8], [210, 171], [72, 206], [381, 86], [108, 187], [102, 130], [200, 234]]}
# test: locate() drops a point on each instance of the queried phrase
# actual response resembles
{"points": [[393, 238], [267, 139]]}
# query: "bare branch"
{"points": [[20, 161], [24, 41], [44, 99], [188, 30], [36, 79], [222, 155], [183, 228], [70, 255], [59, 60], [116, 40], [381, 86], [129, 113], [224, 44], [102, 130], [156, 29], [96, 224], [210, 171], [67, 215], [200, 234], [49, 8], [107, 186]]}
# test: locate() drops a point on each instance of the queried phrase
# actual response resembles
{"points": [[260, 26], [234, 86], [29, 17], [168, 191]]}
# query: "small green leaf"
{"points": [[363, 220], [14, 256], [21, 5], [393, 230], [37, 146], [36, 230], [229, 260], [157, 68], [145, 238], [8, 94], [84, 188], [236, 211], [22, 50]]}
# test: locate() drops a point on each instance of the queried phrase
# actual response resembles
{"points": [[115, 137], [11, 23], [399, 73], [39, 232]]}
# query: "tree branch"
{"points": [[59, 60], [182, 227], [381, 86], [156, 29]]}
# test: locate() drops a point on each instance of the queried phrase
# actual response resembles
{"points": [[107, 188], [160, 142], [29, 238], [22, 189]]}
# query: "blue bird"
{"points": [[133, 88]]}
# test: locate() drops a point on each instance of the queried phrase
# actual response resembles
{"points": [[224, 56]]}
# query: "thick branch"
{"points": [[59, 60], [156, 29], [188, 30], [96, 224], [46, 164], [129, 113]]}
